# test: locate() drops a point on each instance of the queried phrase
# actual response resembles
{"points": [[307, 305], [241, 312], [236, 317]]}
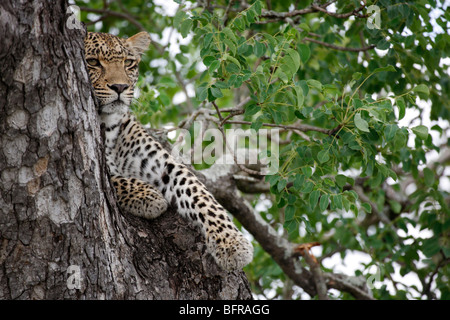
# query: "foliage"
{"points": [[355, 172]]}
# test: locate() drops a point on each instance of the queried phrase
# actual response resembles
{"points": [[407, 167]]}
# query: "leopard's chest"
{"points": [[129, 149]]}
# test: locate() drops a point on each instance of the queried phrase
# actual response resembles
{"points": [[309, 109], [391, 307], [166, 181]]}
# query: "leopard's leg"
{"points": [[138, 197]]}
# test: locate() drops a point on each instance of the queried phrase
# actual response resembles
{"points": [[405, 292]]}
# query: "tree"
{"points": [[359, 91], [61, 233]]}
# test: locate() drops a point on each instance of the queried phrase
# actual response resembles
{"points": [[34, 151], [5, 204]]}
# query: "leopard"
{"points": [[146, 177]]}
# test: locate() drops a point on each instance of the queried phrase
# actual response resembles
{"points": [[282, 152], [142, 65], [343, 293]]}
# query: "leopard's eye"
{"points": [[129, 63], [93, 62]]}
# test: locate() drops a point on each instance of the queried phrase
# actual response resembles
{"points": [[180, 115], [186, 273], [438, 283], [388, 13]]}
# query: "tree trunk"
{"points": [[61, 234]]}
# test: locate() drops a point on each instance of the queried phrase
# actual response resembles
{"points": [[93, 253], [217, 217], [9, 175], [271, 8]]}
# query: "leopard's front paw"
{"points": [[232, 252], [139, 198]]}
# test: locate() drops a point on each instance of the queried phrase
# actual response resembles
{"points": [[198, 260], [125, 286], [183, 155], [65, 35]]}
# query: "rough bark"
{"points": [[57, 208]]}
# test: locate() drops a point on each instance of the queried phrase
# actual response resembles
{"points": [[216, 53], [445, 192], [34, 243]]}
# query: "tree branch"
{"points": [[313, 8], [329, 45], [335, 47], [341, 15], [301, 127], [319, 280], [107, 12], [280, 249]]}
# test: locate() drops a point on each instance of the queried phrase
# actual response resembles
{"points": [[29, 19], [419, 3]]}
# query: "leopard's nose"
{"points": [[119, 88]]}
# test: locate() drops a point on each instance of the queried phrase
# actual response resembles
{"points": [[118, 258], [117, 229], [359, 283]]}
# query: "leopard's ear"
{"points": [[139, 42]]}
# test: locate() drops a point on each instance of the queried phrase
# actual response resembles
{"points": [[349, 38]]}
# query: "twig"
{"points": [[311, 9], [227, 10], [335, 47], [122, 15], [321, 286], [329, 45], [231, 115], [341, 15], [217, 110], [340, 282], [302, 127]]}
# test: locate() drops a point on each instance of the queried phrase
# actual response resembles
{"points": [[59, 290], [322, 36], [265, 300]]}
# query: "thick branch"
{"points": [[280, 249], [319, 280]]}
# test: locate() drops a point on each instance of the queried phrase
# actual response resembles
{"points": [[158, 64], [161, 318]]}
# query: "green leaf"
{"points": [[307, 171], [341, 180], [300, 96], [239, 23], [230, 34], [395, 206], [431, 246], [304, 52], [361, 124], [232, 68], [216, 92], [292, 198], [307, 187], [257, 6], [401, 107], [233, 60], [289, 213], [167, 82], [295, 59], [182, 58], [356, 75], [383, 44], [299, 180], [281, 185], [180, 15], [257, 124], [214, 66], [314, 84], [291, 225], [165, 100], [202, 93], [323, 204], [421, 132], [259, 49], [422, 91], [272, 179], [207, 39], [230, 44], [283, 77], [208, 60], [387, 68], [428, 175], [313, 198], [252, 109], [323, 156], [185, 27], [337, 200], [271, 42], [390, 131], [367, 207]]}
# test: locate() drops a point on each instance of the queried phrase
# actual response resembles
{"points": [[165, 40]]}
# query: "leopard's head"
{"points": [[113, 64]]}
